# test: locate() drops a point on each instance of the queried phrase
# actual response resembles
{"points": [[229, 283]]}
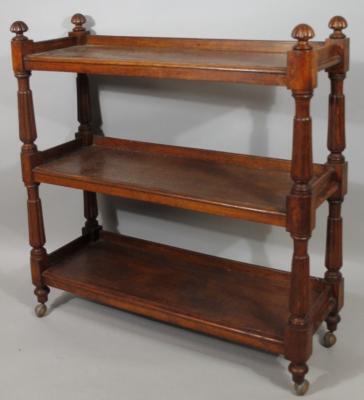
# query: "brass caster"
{"points": [[40, 310], [328, 340], [301, 389]]}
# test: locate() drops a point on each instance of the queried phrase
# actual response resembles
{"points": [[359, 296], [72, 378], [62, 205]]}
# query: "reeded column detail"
{"points": [[336, 144], [300, 212]]}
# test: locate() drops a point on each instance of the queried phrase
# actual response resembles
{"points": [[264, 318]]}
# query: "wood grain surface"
{"points": [[229, 299]]}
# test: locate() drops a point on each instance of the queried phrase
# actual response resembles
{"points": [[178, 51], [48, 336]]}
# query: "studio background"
{"points": [[87, 351]]}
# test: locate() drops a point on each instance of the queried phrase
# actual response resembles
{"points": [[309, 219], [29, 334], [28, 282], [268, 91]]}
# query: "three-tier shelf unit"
{"points": [[265, 308]]}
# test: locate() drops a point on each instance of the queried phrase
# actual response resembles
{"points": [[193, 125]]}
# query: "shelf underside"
{"points": [[239, 186], [232, 300]]}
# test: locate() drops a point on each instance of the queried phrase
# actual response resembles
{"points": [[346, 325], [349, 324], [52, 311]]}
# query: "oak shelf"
{"points": [[241, 186], [241, 61], [265, 308], [233, 300]]}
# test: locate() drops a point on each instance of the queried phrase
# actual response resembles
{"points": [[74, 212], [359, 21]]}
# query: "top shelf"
{"points": [[242, 61], [141, 58], [224, 60]]}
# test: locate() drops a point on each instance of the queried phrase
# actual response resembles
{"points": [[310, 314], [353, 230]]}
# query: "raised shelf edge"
{"points": [[250, 337], [322, 187], [327, 55]]}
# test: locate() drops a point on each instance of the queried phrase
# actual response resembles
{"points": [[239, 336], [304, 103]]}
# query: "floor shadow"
{"points": [[60, 300], [345, 360], [272, 367]]}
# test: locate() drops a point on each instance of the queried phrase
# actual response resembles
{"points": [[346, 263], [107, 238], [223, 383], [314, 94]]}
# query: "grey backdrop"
{"points": [[101, 353]]}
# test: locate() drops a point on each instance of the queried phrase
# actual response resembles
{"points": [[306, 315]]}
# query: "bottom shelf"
{"points": [[228, 299]]}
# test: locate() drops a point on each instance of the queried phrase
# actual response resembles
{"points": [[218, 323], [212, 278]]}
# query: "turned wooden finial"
{"points": [[19, 27], [303, 33], [338, 24], [78, 20]]}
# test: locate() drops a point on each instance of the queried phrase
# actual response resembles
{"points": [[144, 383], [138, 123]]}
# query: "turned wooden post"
{"points": [[28, 135], [84, 112], [336, 160], [301, 217]]}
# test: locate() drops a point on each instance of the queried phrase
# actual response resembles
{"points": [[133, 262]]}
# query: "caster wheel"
{"points": [[301, 389], [40, 310], [329, 339]]}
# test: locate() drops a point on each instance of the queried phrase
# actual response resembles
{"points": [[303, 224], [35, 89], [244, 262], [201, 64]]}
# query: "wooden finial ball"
{"points": [[19, 27], [78, 20], [303, 33], [338, 24]]}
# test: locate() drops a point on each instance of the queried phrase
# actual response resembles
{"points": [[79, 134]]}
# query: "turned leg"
{"points": [[298, 337], [336, 161], [333, 263], [300, 213], [28, 135], [38, 253], [298, 371], [92, 226], [29, 156]]}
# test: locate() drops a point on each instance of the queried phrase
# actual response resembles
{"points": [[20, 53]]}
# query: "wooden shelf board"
{"points": [[228, 299], [201, 59], [167, 57], [239, 186], [224, 60]]}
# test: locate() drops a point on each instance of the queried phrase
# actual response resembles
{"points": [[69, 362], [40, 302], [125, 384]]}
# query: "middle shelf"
{"points": [[235, 185]]}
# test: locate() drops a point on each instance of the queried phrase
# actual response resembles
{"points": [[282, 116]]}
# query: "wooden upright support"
{"points": [[336, 160], [301, 218], [28, 135], [85, 133]]}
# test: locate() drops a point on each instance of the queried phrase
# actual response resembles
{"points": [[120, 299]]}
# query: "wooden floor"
{"points": [[232, 300]]}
